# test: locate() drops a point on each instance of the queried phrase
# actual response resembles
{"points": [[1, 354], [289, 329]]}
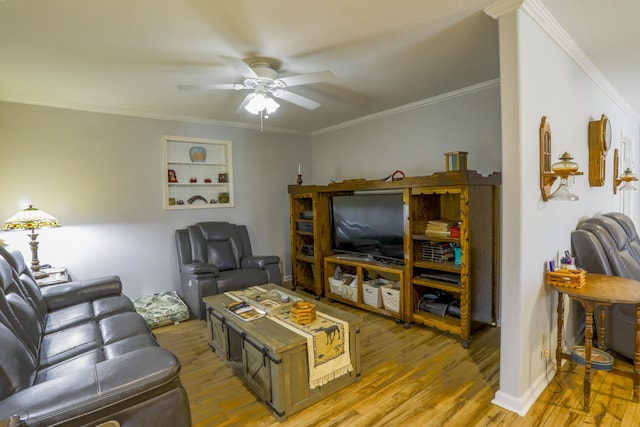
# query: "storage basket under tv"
{"points": [[391, 296], [341, 287], [371, 292]]}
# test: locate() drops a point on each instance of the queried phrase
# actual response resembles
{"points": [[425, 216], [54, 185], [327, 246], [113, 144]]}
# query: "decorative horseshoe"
{"points": [[196, 197]]}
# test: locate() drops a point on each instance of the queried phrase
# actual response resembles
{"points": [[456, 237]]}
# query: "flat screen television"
{"points": [[369, 226]]}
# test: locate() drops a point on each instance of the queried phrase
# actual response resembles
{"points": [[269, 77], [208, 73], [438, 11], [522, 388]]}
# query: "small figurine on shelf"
{"points": [[172, 176], [193, 180], [207, 180]]}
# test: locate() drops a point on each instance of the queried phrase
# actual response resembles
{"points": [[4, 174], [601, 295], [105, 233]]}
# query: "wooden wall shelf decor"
{"points": [[547, 174], [599, 144]]}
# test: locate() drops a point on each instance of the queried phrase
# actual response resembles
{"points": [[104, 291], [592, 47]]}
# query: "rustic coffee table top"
{"points": [[277, 338]]}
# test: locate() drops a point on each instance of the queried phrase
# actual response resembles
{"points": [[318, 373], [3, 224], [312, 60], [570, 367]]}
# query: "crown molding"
{"points": [[198, 120], [503, 7], [146, 115], [419, 104], [541, 16]]}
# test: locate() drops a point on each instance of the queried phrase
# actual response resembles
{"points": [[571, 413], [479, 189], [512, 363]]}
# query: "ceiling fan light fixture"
{"points": [[261, 102], [271, 105]]}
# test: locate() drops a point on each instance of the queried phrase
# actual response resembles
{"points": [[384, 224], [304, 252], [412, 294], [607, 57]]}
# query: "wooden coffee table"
{"points": [[271, 359]]}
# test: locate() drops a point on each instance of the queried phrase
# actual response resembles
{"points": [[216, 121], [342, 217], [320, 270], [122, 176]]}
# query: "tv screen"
{"points": [[368, 224]]}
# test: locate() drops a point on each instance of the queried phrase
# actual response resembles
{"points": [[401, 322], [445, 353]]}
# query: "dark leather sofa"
{"points": [[215, 257], [609, 244], [78, 354]]}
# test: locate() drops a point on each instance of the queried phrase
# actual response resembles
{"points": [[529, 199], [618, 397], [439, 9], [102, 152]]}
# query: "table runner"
{"points": [[327, 342]]}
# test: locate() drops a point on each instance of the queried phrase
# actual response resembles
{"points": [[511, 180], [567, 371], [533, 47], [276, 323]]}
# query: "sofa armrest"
{"points": [[200, 268], [259, 262], [71, 293], [105, 386]]}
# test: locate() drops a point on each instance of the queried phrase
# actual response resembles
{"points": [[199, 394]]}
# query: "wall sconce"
{"points": [[549, 173], [627, 176]]}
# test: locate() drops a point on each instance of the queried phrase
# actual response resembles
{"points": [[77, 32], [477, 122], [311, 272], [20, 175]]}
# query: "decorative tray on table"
{"points": [[271, 302]]}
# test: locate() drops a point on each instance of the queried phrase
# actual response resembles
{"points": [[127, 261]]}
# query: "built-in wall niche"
{"points": [[197, 173]]}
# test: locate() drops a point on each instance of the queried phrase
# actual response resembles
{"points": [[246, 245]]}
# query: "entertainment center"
{"points": [[428, 244]]}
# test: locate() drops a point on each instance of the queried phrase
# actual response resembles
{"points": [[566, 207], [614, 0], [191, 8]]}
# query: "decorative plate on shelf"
{"points": [[198, 154]]}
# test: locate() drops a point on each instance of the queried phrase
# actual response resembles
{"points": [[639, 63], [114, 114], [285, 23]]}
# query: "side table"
{"points": [[598, 292], [54, 275]]}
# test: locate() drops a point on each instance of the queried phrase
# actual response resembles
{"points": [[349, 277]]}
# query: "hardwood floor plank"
{"points": [[410, 377]]}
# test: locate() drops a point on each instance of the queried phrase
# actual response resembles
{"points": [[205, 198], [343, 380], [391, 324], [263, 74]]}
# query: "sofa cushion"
{"points": [[103, 307], [122, 325], [69, 343], [68, 316], [70, 365]]}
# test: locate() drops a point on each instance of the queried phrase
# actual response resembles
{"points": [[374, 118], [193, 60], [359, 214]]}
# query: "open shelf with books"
{"points": [[452, 264]]}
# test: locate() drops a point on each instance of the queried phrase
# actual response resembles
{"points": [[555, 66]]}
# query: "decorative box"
{"points": [[303, 312]]}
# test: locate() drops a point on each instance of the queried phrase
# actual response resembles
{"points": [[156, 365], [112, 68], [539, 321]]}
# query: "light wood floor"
{"points": [[410, 377]]}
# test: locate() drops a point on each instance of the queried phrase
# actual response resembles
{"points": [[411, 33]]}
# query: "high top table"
{"points": [[600, 291]]}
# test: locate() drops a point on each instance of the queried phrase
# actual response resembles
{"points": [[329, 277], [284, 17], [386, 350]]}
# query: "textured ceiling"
{"points": [[128, 56]]}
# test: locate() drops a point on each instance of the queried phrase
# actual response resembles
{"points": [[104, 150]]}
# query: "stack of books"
{"points": [[442, 228], [437, 251]]}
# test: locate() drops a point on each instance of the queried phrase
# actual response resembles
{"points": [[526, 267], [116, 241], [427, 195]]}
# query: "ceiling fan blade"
{"points": [[235, 86], [293, 98], [241, 66], [304, 79]]}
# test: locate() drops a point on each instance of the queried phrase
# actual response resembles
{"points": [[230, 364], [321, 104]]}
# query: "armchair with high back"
{"points": [[609, 244], [215, 257]]}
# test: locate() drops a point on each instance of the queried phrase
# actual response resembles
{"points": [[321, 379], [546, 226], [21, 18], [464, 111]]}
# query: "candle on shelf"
{"points": [[299, 169]]}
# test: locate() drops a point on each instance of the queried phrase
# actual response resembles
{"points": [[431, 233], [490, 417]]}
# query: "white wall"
{"points": [[101, 176], [540, 79], [414, 141]]}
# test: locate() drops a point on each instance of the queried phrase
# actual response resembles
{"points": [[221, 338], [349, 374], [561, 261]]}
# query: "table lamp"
{"points": [[31, 219]]}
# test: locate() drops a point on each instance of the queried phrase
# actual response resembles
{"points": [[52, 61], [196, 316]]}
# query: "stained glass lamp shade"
{"points": [[31, 219]]}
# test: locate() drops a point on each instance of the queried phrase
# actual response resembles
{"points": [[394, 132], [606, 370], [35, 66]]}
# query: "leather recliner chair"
{"points": [[215, 257], [609, 244]]}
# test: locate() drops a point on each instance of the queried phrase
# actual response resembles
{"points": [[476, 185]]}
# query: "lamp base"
{"points": [[39, 274]]}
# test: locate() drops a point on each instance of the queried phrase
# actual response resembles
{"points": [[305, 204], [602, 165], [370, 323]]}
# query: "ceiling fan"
{"points": [[261, 77]]}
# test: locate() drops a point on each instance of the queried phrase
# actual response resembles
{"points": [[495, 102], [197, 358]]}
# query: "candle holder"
{"points": [[299, 180]]}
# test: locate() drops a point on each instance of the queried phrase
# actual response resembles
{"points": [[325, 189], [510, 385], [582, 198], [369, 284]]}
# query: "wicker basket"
{"points": [[568, 278], [391, 296], [303, 312]]}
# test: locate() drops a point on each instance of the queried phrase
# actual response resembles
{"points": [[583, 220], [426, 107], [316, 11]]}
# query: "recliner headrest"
{"points": [[625, 222], [215, 230], [607, 224], [14, 258]]}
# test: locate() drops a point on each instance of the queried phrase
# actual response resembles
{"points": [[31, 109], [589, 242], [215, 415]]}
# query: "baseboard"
{"points": [[521, 405]]}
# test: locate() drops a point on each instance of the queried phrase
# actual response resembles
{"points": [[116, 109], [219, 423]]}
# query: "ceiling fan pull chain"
{"points": [[261, 112]]}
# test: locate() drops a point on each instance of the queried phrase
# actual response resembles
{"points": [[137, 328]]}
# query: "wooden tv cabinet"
{"points": [[463, 197]]}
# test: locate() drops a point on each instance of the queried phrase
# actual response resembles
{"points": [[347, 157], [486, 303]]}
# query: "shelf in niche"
{"points": [[178, 163], [170, 162]]}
